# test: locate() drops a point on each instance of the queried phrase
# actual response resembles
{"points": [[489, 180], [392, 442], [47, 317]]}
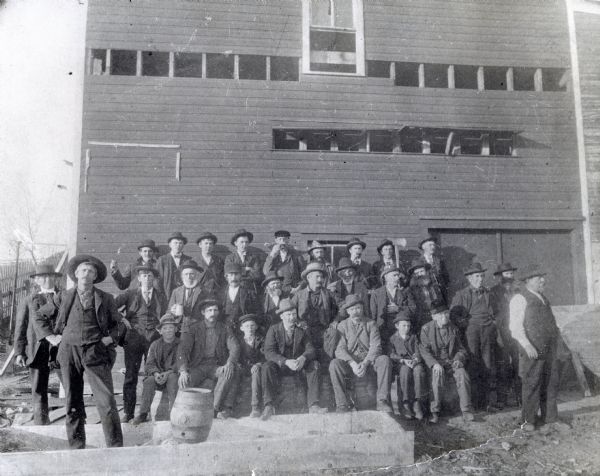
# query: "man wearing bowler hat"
{"points": [[316, 254], [248, 262], [424, 291], [346, 285], [185, 300], [355, 248], [386, 252], [472, 312], [274, 294], [169, 265], [147, 250], [213, 279], [439, 273], [88, 320], [285, 261], [143, 308], [234, 299], [533, 326], [36, 343]]}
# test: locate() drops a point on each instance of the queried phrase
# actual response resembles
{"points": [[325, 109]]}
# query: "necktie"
{"points": [[147, 296]]}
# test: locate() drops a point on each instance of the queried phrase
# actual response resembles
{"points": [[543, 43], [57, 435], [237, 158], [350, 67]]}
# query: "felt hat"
{"points": [[150, 269], [315, 245], [438, 306], [76, 260], [352, 300], [191, 264], [207, 235], [385, 242], [429, 238], [501, 268], [208, 302], [418, 263], [312, 267], [531, 271], [44, 269], [242, 232], [345, 263], [284, 306], [271, 276], [474, 268], [247, 317], [232, 268], [177, 235], [282, 233], [391, 269], [402, 315], [168, 318], [147, 244], [355, 241]]}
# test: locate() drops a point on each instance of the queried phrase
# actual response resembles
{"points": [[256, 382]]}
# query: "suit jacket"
{"points": [[290, 269], [161, 357], [379, 301], [190, 353], [247, 300], [431, 344], [169, 273], [251, 355], [213, 278], [439, 274], [198, 295], [340, 293], [500, 297], [253, 278], [270, 309], [133, 300], [460, 310], [364, 273], [126, 279], [399, 348], [352, 343], [301, 300], [275, 345]]}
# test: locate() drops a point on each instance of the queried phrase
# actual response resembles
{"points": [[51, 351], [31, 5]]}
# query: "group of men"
{"points": [[222, 322]]}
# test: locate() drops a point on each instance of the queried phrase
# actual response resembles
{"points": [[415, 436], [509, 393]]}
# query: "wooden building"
{"points": [[333, 119]]}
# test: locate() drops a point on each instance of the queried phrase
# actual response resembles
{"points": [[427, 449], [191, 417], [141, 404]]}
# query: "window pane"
{"points": [[411, 140], [378, 69], [123, 62], [350, 141], [554, 79], [320, 13], [188, 65], [381, 141], [253, 67], [219, 66], [155, 63], [343, 17], [436, 75], [98, 65], [465, 77], [523, 79], [332, 41], [470, 143], [317, 140], [284, 68], [494, 78], [438, 140], [407, 74], [286, 140]]}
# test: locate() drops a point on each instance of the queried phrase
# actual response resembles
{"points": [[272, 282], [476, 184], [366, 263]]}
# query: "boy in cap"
{"points": [[252, 358], [35, 341], [213, 279], [169, 265], [405, 355], [444, 354], [147, 250], [248, 262], [161, 367], [285, 261]]}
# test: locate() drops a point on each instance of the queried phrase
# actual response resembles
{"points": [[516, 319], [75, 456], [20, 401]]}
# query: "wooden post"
{"points": [[450, 77], [421, 75], [86, 170], [203, 65], [108, 61], [537, 80], [510, 79], [171, 64], [268, 75], [178, 166], [480, 79], [236, 67], [138, 63], [393, 70], [13, 300]]}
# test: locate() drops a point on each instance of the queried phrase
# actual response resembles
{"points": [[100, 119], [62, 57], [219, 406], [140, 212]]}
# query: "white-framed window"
{"points": [[333, 37]]}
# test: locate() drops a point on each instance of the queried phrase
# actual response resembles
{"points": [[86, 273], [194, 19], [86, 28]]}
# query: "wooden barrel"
{"points": [[192, 415]]}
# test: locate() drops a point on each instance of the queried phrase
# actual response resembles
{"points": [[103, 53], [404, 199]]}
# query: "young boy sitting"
{"points": [[161, 367], [404, 353], [252, 358]]}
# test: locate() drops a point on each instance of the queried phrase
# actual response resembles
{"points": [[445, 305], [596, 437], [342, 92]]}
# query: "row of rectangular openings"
{"points": [[415, 140], [193, 65]]}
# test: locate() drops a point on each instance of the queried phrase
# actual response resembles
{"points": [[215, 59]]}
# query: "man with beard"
{"points": [[316, 254], [346, 285], [234, 299], [147, 250], [185, 300], [439, 273], [248, 262], [213, 279], [355, 248], [425, 292], [169, 265], [273, 296], [285, 261], [508, 362], [386, 253]]}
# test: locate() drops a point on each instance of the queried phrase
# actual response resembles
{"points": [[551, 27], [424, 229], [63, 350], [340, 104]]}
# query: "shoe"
{"points": [[255, 413], [434, 418], [223, 414], [126, 418], [268, 412], [406, 411], [342, 409], [141, 418], [418, 410], [468, 416], [383, 406], [528, 427], [317, 409]]}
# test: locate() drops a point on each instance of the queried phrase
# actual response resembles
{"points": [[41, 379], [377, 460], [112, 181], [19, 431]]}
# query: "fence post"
{"points": [[13, 300]]}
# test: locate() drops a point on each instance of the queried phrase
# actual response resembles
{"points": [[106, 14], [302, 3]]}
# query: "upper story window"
{"points": [[333, 37]]}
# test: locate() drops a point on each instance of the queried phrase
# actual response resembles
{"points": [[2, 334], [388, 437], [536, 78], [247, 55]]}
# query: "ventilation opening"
{"points": [[465, 77], [378, 69], [436, 76], [554, 79], [411, 140], [381, 141], [407, 74], [494, 78], [188, 65], [155, 63], [253, 67], [524, 79], [219, 66], [123, 62], [284, 68]]}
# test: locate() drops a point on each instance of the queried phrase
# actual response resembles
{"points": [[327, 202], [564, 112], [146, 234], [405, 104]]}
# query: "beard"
{"points": [[507, 280], [423, 281]]}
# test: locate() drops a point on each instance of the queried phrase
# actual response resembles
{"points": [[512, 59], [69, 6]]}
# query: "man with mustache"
{"points": [[234, 299], [272, 297], [169, 265], [425, 292], [386, 253], [355, 248], [285, 261], [147, 250], [242, 256], [346, 285], [439, 274], [316, 254], [185, 300], [213, 279]]}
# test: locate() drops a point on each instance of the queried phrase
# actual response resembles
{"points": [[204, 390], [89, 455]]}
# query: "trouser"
{"points": [[412, 383], [481, 342], [136, 348], [73, 365], [508, 365], [256, 387], [540, 382], [463, 387], [340, 370], [150, 387], [225, 389], [271, 381], [39, 372]]}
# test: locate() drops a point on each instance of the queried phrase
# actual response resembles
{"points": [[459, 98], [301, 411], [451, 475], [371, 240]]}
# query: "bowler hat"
{"points": [[390, 269], [315, 245], [282, 233], [385, 242], [177, 235], [147, 244], [168, 318], [402, 315], [232, 268], [271, 276], [207, 235], [150, 269], [352, 300], [501, 268], [208, 302], [190, 264], [438, 306], [531, 271], [418, 263], [284, 306], [429, 238], [44, 269], [242, 232], [355, 241], [344, 263], [76, 260], [474, 268], [314, 266], [247, 317]]}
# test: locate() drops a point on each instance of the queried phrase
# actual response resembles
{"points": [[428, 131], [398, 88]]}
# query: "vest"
{"points": [[82, 326], [539, 322]]}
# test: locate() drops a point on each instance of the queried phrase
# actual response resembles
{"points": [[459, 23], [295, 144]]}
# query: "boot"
{"points": [[406, 411], [418, 410]]}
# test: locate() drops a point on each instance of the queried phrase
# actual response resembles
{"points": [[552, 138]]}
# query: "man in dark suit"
{"points": [[274, 294], [346, 285], [186, 299], [364, 272], [424, 291], [317, 254], [248, 261], [88, 321], [147, 250], [35, 341], [208, 350], [169, 265], [444, 354], [289, 351], [438, 271], [143, 308], [386, 253], [235, 300], [213, 279], [285, 261]]}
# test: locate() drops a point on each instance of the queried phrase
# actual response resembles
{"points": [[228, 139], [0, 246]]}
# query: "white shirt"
{"points": [[147, 293], [428, 258], [207, 259], [516, 309], [177, 259], [242, 256], [233, 292], [47, 291]]}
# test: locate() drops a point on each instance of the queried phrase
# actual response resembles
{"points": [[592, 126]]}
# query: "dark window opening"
{"points": [[501, 143], [494, 78], [438, 139], [465, 77], [349, 141], [470, 143], [219, 66], [411, 140], [188, 65], [407, 74], [284, 68], [378, 69], [286, 140], [253, 67], [317, 140], [155, 63], [123, 62], [523, 79], [436, 76], [98, 62], [554, 79], [381, 141]]}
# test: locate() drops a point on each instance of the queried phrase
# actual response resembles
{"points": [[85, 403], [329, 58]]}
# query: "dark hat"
{"points": [[44, 269], [207, 235], [531, 271], [344, 263], [315, 245], [429, 238], [190, 264], [391, 269], [504, 267], [402, 315], [384, 243], [177, 235], [285, 305], [208, 302], [168, 318], [76, 260], [137, 269], [232, 268], [352, 300], [355, 241], [474, 268], [271, 276], [437, 307], [247, 317], [313, 267], [284, 233], [147, 244], [242, 232], [418, 263]]}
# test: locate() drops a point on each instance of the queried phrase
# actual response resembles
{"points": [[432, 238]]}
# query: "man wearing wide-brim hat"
{"points": [[248, 261], [213, 278], [35, 342], [235, 299], [88, 320], [285, 260], [273, 295], [169, 265], [185, 299], [533, 326], [424, 291], [147, 250], [348, 284], [364, 272], [429, 247], [385, 250], [317, 254]]}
